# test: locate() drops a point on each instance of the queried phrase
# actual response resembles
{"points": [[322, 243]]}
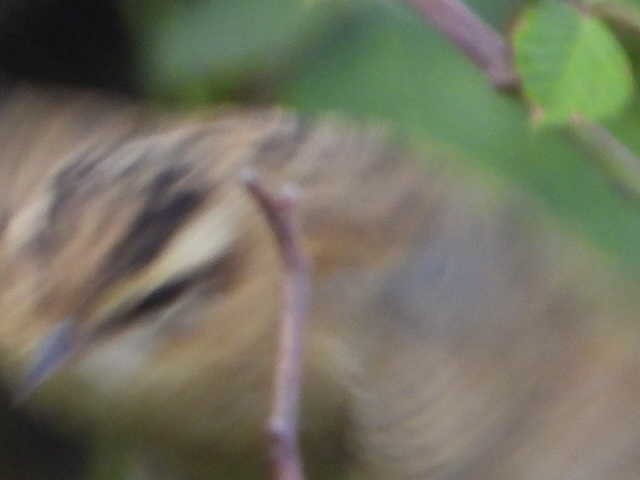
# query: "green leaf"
{"points": [[570, 64]]}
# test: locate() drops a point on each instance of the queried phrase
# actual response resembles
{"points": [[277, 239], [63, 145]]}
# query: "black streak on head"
{"points": [[86, 174], [166, 208], [217, 277], [79, 178], [64, 188], [70, 179]]}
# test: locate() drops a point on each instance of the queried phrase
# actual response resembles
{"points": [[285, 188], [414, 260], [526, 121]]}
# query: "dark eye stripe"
{"points": [[219, 276], [166, 208], [161, 297], [150, 231]]}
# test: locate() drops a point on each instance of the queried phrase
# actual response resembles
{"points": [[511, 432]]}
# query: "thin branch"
{"points": [[482, 44], [282, 426], [616, 160], [622, 14], [491, 53]]}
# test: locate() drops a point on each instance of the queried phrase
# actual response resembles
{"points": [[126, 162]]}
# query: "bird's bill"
{"points": [[52, 354]]}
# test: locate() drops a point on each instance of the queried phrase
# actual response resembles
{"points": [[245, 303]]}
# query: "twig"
{"points": [[616, 160], [490, 52], [282, 426], [482, 44], [622, 14]]}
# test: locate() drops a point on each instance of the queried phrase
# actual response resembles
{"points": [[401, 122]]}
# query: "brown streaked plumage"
{"points": [[455, 332]]}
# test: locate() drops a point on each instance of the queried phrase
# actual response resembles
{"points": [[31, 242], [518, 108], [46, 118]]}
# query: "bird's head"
{"points": [[140, 233]]}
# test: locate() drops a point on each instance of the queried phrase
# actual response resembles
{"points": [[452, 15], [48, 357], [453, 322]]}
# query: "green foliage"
{"points": [[570, 64], [375, 59], [393, 69]]}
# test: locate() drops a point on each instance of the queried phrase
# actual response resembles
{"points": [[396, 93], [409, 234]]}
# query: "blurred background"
{"points": [[371, 60]]}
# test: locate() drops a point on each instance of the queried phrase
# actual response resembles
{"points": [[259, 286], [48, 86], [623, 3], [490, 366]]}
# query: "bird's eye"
{"points": [[160, 297], [136, 312]]}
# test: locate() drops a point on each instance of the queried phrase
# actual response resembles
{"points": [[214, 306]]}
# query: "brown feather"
{"points": [[455, 331]]}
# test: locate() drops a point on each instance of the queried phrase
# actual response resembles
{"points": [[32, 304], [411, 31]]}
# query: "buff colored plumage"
{"points": [[454, 333]]}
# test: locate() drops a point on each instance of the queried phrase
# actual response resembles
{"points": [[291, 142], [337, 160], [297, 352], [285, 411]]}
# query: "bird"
{"points": [[455, 329]]}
